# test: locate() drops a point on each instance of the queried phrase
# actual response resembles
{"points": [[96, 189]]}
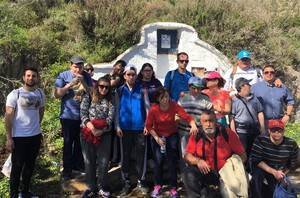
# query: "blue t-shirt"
{"points": [[272, 98], [177, 83], [70, 108]]}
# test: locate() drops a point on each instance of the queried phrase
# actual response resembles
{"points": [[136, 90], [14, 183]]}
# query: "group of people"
{"points": [[213, 130]]}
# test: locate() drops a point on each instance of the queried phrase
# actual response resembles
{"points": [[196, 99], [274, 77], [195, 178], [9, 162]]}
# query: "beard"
{"points": [[30, 84], [209, 131]]}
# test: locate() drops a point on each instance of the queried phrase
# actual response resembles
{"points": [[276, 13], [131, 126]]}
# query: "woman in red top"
{"points": [[219, 97], [162, 126]]}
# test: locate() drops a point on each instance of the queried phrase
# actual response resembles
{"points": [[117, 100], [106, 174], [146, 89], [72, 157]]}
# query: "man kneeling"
{"points": [[206, 154]]}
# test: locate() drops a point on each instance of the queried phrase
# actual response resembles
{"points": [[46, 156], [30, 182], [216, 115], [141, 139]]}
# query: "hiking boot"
{"points": [[173, 193], [156, 191], [104, 194], [89, 194], [125, 190]]}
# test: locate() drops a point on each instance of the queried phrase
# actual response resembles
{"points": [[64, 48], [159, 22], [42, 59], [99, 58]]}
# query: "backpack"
{"points": [[172, 77]]}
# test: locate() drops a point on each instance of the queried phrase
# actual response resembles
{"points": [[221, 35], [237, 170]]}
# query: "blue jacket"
{"points": [[131, 109]]}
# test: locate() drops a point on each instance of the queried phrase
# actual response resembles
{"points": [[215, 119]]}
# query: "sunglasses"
{"points": [[103, 86], [245, 59], [269, 72], [184, 61], [279, 130]]}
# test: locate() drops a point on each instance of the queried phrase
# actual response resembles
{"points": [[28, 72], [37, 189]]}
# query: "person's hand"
{"points": [[277, 82], [146, 132], [285, 119], [160, 141], [194, 129], [278, 174], [97, 132], [90, 126], [203, 166], [119, 132], [9, 144]]}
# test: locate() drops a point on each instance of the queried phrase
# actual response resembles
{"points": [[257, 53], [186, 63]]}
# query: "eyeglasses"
{"points": [[184, 61], [269, 72], [103, 86], [274, 130]]}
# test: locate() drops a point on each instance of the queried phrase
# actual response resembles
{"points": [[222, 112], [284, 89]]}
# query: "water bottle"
{"points": [[163, 148]]}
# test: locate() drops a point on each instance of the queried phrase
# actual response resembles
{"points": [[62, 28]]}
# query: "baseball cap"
{"points": [[243, 54], [275, 124], [129, 67], [77, 59], [196, 81], [240, 82]]}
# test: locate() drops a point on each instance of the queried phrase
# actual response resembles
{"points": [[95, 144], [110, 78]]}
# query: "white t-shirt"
{"points": [[249, 74], [27, 105]]}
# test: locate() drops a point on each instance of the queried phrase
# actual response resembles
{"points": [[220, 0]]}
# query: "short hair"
{"points": [[161, 91], [34, 69], [120, 62], [208, 112], [182, 53], [268, 65]]}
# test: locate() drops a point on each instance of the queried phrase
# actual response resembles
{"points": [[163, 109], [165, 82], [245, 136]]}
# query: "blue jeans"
{"points": [[171, 157], [72, 154]]}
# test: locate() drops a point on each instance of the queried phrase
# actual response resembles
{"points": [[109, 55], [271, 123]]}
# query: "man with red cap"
{"points": [[272, 157]]}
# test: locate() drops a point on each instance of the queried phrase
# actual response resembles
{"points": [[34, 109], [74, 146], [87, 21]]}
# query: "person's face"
{"points": [[182, 61], [244, 63], [164, 100], [77, 68], [103, 87], [245, 90], [130, 77], [118, 69], [212, 82], [276, 134], [208, 123], [30, 78], [194, 91], [269, 74], [147, 73], [90, 71]]}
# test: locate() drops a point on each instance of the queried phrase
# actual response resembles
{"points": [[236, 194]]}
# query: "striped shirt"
{"points": [[193, 106], [282, 156]]}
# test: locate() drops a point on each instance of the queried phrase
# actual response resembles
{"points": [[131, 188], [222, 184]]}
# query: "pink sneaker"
{"points": [[173, 193], [156, 191]]}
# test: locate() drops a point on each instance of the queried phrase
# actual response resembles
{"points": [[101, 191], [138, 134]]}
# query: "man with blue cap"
{"points": [[242, 69], [194, 103]]}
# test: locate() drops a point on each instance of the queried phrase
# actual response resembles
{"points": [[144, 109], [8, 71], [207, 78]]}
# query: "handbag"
{"points": [[6, 169], [284, 189]]}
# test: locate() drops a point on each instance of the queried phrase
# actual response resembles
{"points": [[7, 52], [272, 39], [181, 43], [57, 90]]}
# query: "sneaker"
{"points": [[141, 187], [104, 194], [89, 194], [156, 191], [125, 190], [173, 193]]}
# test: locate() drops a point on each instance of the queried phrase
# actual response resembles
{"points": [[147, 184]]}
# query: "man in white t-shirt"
{"points": [[23, 115], [242, 69]]}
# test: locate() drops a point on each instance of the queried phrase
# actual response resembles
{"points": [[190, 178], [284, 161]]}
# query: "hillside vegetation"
{"points": [[45, 33]]}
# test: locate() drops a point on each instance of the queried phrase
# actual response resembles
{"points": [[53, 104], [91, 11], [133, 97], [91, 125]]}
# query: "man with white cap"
{"points": [[130, 120]]}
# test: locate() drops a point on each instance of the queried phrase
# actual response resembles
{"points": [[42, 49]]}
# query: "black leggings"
{"points": [[23, 159]]}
